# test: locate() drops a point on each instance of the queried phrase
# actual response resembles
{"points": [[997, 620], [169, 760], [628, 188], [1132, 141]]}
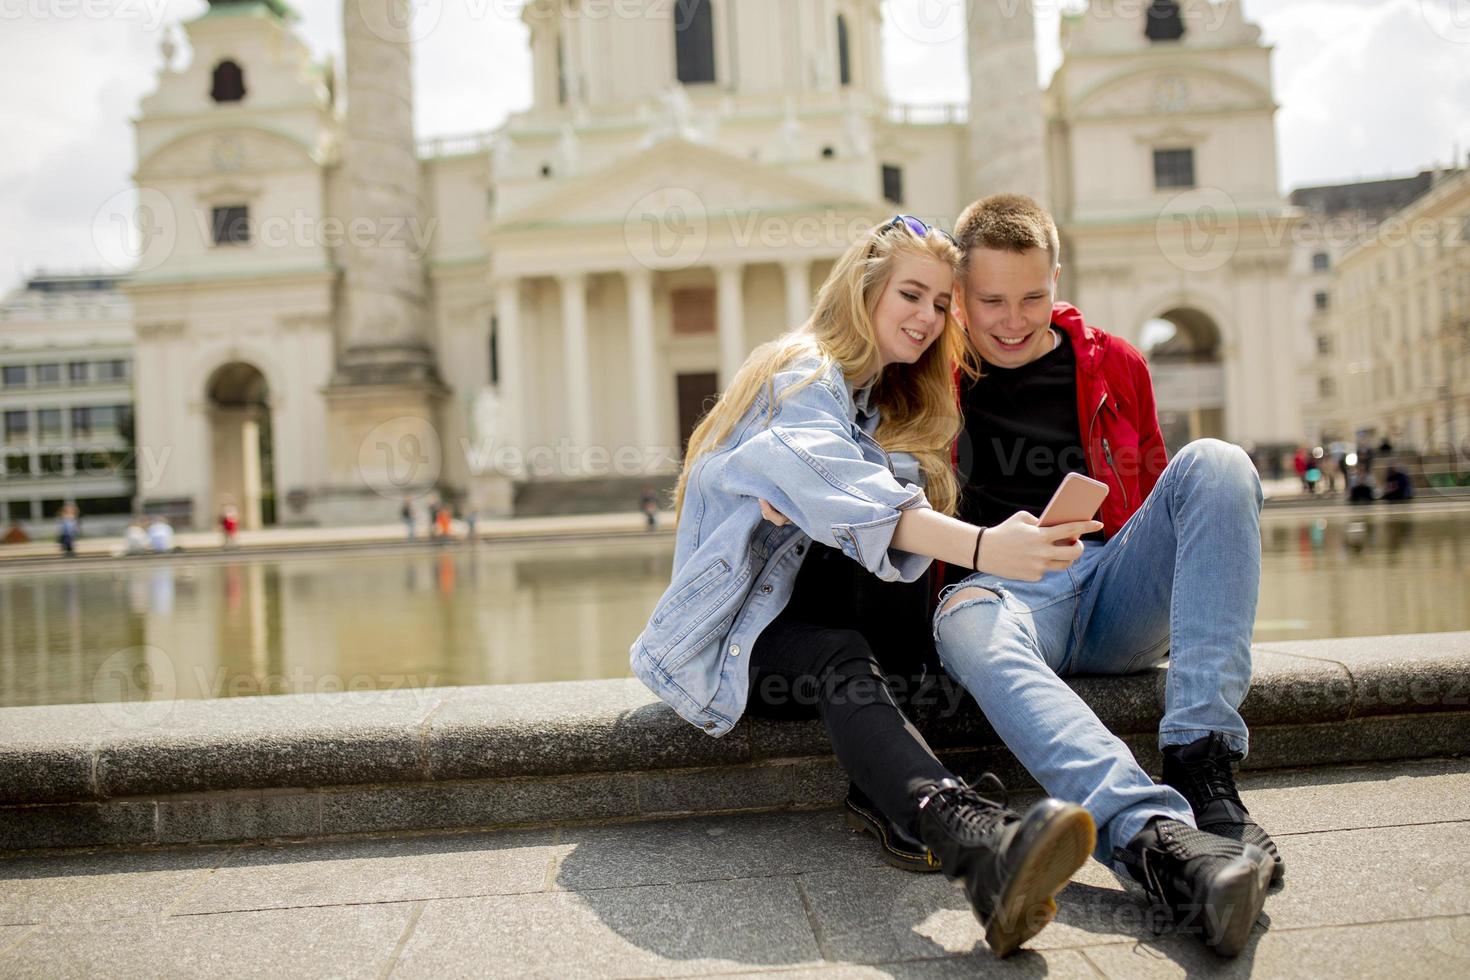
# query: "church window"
{"points": [[694, 41], [1173, 169], [1163, 21], [892, 183], [230, 224], [228, 82], [1321, 262], [844, 57]]}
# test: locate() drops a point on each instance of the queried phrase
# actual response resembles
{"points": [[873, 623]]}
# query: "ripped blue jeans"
{"points": [[1186, 566]]}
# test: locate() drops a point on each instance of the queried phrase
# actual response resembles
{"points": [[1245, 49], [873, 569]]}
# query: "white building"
{"points": [[558, 300], [1399, 329], [66, 403]]}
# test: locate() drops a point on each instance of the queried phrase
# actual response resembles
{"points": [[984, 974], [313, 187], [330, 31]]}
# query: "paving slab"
{"points": [[1422, 948], [377, 870], [102, 885], [337, 941], [1060, 964], [1343, 798], [661, 930], [737, 846]]}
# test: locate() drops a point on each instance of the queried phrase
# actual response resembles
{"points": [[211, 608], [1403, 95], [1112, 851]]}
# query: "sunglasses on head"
{"points": [[918, 228]]}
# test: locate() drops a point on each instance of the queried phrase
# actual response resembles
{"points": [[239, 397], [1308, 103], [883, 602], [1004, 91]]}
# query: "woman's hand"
{"points": [[1020, 548], [773, 515]]}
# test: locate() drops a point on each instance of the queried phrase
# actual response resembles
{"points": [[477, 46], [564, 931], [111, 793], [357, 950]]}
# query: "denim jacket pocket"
{"points": [[691, 590]]}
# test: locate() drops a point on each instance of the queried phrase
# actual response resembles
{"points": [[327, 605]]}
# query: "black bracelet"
{"points": [[975, 561]]}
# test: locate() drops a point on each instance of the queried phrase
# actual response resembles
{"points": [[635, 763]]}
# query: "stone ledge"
{"points": [[302, 765]]}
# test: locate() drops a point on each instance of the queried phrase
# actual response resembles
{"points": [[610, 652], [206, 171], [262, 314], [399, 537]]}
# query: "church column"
{"points": [[642, 357], [509, 355], [798, 291], [730, 286], [579, 372]]}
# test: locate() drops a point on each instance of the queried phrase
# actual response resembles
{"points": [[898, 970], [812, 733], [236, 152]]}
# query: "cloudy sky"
{"points": [[1368, 88]]}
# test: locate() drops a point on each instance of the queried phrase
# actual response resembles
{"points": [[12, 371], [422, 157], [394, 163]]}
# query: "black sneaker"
{"points": [[1214, 886], [1201, 772], [898, 847], [1011, 865]]}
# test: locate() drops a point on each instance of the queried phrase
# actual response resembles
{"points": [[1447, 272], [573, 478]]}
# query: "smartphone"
{"points": [[1077, 499]]}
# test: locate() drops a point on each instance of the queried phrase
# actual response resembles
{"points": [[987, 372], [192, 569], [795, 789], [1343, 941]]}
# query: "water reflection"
{"points": [[511, 614]]}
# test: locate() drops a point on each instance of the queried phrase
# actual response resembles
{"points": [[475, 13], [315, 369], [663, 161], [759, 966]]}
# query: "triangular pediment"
{"points": [[676, 171]]}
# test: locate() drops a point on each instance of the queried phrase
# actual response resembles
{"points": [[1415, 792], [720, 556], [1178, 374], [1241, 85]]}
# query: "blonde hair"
{"points": [[920, 415]]}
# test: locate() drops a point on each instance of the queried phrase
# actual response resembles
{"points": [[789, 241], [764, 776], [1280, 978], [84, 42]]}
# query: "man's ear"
{"points": [[1056, 276], [957, 304]]}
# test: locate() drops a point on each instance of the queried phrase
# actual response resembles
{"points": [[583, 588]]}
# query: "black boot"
{"points": [[1201, 772], [1011, 865], [1214, 886], [898, 846]]}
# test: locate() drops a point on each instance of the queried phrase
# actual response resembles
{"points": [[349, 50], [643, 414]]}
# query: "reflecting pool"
{"points": [[503, 614]]}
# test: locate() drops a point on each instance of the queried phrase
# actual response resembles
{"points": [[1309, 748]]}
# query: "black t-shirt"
{"points": [[1021, 436]]}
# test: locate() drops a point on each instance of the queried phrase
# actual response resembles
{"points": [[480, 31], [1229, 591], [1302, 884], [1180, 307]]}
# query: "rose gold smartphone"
{"points": [[1077, 499]]}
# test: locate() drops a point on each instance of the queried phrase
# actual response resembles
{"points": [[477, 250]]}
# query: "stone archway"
{"points": [[1183, 349], [241, 471]]}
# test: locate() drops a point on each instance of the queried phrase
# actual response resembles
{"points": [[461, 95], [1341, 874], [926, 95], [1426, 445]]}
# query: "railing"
{"points": [[454, 146]]}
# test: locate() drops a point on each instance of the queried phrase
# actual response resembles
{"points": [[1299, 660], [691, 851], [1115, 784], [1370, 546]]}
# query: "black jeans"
{"points": [[843, 647]]}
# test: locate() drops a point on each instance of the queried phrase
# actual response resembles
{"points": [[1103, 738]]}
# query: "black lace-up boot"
{"points": [[1011, 865], [899, 847], [1201, 772], [1215, 887]]}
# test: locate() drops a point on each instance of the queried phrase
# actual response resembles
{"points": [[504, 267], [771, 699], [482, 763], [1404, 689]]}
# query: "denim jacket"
{"points": [[816, 462]]}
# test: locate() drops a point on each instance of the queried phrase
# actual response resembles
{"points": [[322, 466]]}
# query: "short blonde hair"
{"points": [[1007, 223]]}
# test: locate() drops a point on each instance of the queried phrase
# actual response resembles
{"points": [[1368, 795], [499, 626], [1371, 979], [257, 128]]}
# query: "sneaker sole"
{"points": [[1241, 890], [1027, 905], [868, 823]]}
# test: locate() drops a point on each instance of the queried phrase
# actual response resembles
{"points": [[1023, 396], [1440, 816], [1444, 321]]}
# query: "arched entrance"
{"points": [[1183, 350], [240, 444]]}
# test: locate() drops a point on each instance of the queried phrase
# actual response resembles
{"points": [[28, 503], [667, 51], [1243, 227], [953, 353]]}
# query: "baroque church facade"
{"points": [[332, 317]]}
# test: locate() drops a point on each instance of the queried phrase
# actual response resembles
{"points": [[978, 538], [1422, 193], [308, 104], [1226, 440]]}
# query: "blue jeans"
{"points": [[1186, 567]]}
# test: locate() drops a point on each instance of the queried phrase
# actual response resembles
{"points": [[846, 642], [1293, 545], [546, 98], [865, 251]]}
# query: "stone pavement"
{"points": [[1376, 885]]}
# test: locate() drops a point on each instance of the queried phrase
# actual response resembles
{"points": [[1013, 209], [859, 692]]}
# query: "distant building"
{"points": [[66, 403], [1337, 218], [1395, 330]]}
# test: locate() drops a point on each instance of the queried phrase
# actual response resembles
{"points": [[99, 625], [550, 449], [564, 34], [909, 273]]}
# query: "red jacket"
{"points": [[1116, 416]]}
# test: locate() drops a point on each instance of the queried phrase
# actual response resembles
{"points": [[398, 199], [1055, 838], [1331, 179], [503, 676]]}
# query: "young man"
{"points": [[1175, 575]]}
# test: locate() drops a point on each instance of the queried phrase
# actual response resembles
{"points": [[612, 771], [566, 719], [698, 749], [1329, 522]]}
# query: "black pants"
{"points": [[845, 645]]}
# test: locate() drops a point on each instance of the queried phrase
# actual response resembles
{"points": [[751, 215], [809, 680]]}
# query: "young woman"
{"points": [[829, 431]]}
